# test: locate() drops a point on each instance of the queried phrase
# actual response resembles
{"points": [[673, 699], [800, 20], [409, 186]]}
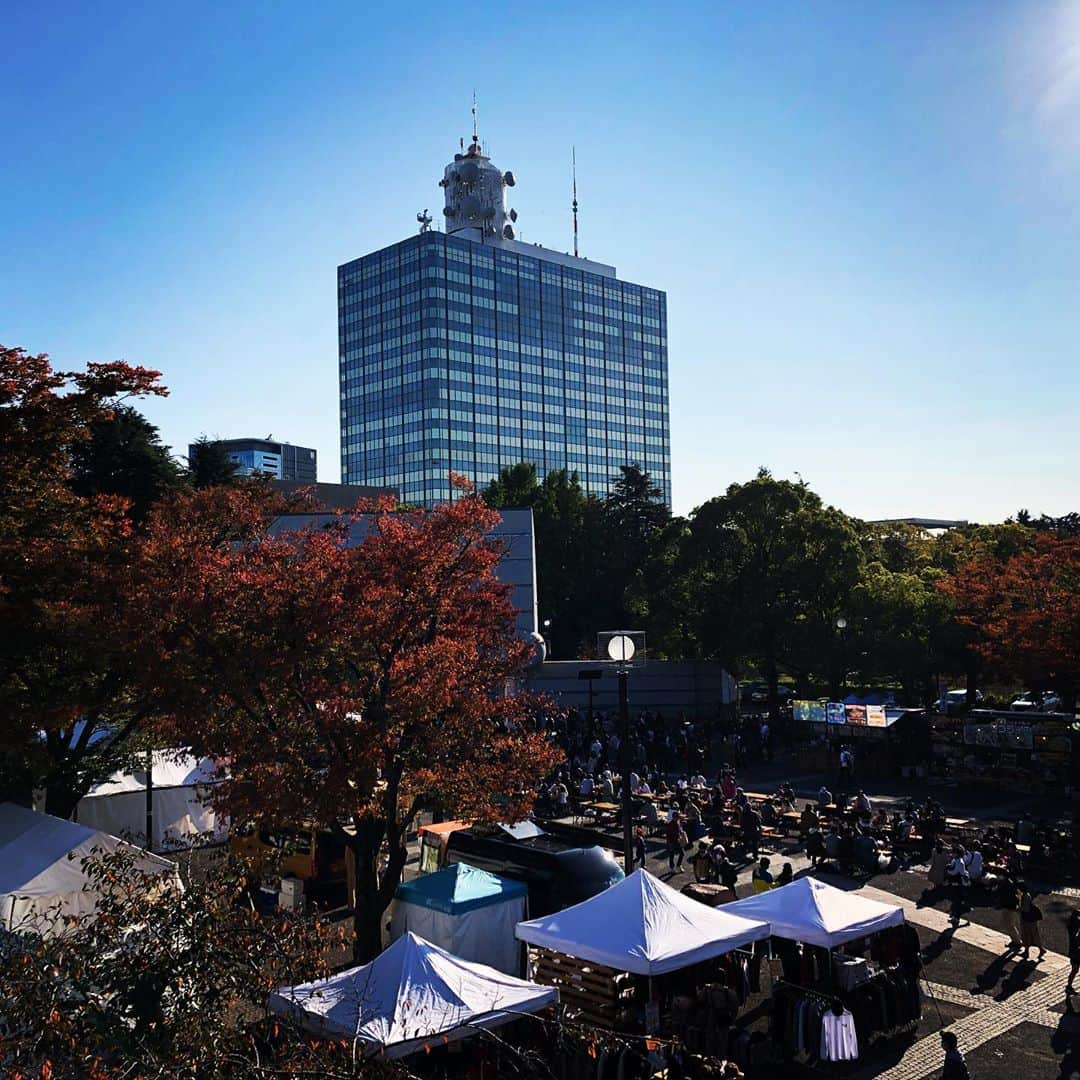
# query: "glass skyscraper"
{"points": [[466, 351]]}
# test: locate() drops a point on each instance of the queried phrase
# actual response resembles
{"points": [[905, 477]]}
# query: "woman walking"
{"points": [[1030, 917]]}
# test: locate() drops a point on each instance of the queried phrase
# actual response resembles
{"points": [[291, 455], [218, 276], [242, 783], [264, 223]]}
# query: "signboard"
{"points": [[856, 714], [834, 711], [808, 712], [1004, 735], [875, 716]]}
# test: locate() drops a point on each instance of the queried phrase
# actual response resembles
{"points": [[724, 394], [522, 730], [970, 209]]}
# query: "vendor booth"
{"points": [[885, 740], [643, 958], [468, 912], [42, 879], [1011, 751], [411, 998], [850, 969], [180, 786]]}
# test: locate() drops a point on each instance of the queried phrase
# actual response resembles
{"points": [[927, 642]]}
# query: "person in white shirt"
{"points": [[681, 783], [974, 862], [698, 781], [643, 788], [635, 781], [863, 803], [607, 788]]}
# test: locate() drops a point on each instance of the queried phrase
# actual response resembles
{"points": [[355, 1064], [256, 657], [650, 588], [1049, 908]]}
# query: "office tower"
{"points": [[467, 350]]}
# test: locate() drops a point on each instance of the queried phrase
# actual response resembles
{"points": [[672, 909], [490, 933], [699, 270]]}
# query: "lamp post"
{"points": [[620, 647], [841, 625]]}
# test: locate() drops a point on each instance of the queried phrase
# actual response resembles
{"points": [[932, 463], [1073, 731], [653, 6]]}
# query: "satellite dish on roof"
{"points": [[513, 215], [508, 232], [508, 179]]}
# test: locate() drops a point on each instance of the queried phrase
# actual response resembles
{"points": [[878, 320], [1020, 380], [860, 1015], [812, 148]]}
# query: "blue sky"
{"points": [[866, 216]]}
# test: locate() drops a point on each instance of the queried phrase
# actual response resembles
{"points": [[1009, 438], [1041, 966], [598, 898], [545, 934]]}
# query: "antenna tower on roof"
{"points": [[574, 204], [475, 133]]}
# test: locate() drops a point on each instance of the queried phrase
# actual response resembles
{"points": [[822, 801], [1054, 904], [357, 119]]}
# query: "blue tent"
{"points": [[469, 912]]}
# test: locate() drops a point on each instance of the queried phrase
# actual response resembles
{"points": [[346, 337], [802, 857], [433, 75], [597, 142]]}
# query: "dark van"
{"points": [[557, 873]]}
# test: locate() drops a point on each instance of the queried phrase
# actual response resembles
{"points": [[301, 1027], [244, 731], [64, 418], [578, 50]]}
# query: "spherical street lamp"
{"points": [[621, 648]]}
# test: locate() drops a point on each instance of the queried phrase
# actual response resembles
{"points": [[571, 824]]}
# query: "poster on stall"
{"points": [[856, 714], [800, 712], [834, 710], [875, 716], [817, 712]]}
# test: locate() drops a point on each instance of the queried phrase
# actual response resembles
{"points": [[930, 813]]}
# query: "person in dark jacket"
{"points": [[955, 1066], [1073, 928]]}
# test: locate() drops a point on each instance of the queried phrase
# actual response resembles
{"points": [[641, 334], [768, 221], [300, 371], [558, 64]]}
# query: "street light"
{"points": [[841, 625], [627, 649]]}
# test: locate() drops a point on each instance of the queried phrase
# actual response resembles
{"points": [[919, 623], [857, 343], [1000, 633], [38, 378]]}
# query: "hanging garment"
{"points": [[838, 1039]]}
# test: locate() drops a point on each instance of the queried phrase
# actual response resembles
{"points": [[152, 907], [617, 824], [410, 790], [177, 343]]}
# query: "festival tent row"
{"points": [[42, 877], [409, 997], [181, 786]]}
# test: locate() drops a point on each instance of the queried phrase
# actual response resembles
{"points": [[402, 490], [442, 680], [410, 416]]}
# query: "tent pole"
{"points": [[149, 800]]}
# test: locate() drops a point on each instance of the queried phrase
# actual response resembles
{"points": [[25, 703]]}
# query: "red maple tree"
{"points": [[346, 683], [1025, 611], [60, 554]]}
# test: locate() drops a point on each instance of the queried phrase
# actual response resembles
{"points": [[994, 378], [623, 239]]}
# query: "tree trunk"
{"points": [[367, 915]]}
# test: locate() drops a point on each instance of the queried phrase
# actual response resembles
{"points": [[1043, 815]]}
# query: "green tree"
{"points": [[123, 455], [209, 464], [772, 568]]}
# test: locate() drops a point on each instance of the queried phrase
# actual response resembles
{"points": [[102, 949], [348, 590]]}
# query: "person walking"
{"points": [[955, 1066], [1030, 917], [1009, 903], [750, 822], [939, 868], [676, 842], [1072, 926], [640, 850]]}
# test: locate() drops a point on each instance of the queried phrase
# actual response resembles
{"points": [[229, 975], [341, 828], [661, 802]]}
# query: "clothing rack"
{"points": [[808, 992]]}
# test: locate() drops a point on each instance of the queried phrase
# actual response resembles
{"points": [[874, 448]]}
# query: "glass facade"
{"points": [[458, 356]]}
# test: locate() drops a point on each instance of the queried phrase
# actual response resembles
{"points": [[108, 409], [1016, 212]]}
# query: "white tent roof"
{"points": [[644, 926], [812, 911], [41, 867], [171, 768], [413, 993]]}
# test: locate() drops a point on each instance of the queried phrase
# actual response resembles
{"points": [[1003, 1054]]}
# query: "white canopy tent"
{"points": [[816, 913], [643, 926], [41, 872], [181, 785], [412, 994]]}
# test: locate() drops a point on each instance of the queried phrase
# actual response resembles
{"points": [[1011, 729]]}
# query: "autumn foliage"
{"points": [[60, 558], [1025, 611], [350, 669]]}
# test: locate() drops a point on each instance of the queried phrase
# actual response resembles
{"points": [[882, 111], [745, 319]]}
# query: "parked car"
{"points": [[953, 701], [1029, 701], [316, 856]]}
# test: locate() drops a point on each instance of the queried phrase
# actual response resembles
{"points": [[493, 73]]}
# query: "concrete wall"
{"points": [[696, 687]]}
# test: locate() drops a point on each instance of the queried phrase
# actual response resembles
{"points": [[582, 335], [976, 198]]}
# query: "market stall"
{"points": [[180, 789], [42, 877], [850, 968], [469, 912], [886, 740], [408, 999], [1010, 751], [642, 957]]}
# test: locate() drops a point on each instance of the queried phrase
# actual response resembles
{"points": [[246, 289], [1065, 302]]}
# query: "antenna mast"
{"points": [[475, 135], [573, 171]]}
